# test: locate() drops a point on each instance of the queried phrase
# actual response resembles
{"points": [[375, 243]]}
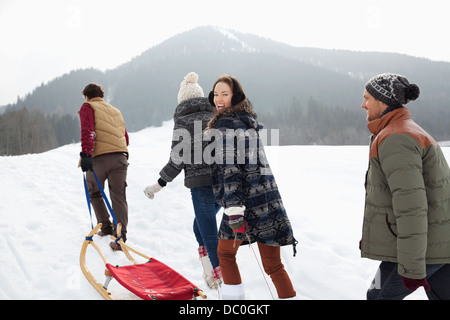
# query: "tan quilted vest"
{"points": [[109, 128]]}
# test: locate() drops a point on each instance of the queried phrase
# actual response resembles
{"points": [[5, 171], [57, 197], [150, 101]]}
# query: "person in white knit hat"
{"points": [[191, 115], [189, 88]]}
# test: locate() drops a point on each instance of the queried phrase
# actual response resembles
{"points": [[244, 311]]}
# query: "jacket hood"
{"points": [[243, 111], [249, 120]]}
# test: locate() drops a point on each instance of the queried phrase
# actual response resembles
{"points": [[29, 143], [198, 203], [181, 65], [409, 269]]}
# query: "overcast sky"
{"points": [[41, 40]]}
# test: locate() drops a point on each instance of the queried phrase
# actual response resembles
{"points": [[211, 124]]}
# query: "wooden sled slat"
{"points": [[98, 286], [152, 280]]}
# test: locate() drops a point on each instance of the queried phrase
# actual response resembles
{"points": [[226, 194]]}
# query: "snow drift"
{"points": [[44, 219]]}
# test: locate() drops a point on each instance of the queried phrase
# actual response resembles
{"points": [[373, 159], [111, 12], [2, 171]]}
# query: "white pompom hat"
{"points": [[189, 88]]}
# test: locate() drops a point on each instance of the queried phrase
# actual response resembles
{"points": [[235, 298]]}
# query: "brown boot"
{"points": [[115, 246], [103, 234]]}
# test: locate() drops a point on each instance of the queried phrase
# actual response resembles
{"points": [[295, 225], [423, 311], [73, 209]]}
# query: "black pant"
{"points": [[388, 285]]}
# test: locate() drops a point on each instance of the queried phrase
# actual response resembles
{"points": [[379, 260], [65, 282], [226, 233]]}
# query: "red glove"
{"points": [[413, 284], [238, 224], [236, 219]]}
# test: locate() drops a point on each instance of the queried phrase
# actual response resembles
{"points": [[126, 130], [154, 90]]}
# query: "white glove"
{"points": [[234, 211], [150, 191]]}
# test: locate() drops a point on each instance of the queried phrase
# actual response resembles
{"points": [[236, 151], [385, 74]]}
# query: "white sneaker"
{"points": [[233, 291], [207, 267], [217, 277]]}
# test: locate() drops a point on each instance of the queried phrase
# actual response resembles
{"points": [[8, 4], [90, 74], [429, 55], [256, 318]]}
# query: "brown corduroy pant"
{"points": [[271, 260], [112, 167]]}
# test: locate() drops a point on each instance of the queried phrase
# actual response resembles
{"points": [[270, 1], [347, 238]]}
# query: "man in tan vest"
{"points": [[104, 141]]}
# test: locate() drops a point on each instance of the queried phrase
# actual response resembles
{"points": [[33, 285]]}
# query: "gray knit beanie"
{"points": [[392, 89]]}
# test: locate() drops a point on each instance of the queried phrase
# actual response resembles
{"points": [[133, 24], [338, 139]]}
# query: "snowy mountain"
{"points": [[44, 219], [272, 73]]}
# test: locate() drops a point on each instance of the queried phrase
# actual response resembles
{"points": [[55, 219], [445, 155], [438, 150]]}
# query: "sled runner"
{"points": [[152, 280]]}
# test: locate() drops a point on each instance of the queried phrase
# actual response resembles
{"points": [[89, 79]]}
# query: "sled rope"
{"points": [[105, 198], [257, 261], [259, 265], [88, 201]]}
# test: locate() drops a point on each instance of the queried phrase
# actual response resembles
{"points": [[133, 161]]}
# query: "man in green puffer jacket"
{"points": [[407, 206]]}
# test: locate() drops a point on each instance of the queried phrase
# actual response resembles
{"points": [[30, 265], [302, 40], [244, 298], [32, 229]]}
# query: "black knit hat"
{"points": [[392, 89]]}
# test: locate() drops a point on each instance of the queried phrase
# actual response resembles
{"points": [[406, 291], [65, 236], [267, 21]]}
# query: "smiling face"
{"points": [[373, 107], [222, 95]]}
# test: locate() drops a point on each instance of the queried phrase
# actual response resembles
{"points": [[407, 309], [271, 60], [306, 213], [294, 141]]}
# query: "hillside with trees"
{"points": [[311, 95]]}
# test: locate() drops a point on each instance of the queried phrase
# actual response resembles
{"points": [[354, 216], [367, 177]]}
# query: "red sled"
{"points": [[152, 280]]}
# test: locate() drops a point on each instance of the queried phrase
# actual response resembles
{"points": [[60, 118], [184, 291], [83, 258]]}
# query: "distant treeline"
{"points": [[318, 124], [23, 131]]}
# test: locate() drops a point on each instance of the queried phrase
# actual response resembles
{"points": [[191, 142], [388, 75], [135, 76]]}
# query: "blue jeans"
{"points": [[388, 285], [205, 224]]}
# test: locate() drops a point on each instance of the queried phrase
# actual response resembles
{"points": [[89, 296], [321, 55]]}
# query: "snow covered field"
{"points": [[44, 219]]}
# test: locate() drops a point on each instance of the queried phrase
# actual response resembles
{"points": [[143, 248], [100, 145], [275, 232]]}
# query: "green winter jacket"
{"points": [[407, 205]]}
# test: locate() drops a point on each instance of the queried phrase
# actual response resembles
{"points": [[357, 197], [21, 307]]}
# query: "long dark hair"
{"points": [[235, 85]]}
